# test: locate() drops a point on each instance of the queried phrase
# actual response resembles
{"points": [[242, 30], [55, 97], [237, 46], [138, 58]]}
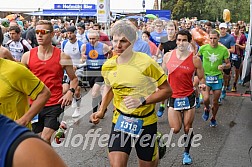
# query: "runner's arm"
{"points": [[200, 71], [25, 59], [165, 60], [107, 97], [83, 52], [7, 54], [107, 51], [163, 92], [67, 64], [227, 64], [232, 49], [42, 154], [194, 46], [159, 49], [70, 72], [36, 106], [242, 46]]}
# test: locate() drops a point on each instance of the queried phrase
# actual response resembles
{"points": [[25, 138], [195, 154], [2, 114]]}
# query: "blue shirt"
{"points": [[95, 56], [9, 132], [228, 40], [156, 37], [142, 46]]}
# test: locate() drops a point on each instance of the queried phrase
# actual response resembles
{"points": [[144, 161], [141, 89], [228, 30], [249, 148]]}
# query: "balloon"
{"points": [[226, 15], [200, 36]]}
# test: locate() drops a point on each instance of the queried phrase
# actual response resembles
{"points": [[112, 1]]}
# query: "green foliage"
{"points": [[208, 9]]}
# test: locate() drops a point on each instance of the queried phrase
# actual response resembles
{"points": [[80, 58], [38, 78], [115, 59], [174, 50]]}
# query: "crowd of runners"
{"points": [[137, 64]]}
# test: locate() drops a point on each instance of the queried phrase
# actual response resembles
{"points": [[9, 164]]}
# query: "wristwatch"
{"points": [[142, 101], [72, 90]]}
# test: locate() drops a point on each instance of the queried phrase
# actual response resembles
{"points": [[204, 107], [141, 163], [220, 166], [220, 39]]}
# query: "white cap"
{"points": [[222, 25]]}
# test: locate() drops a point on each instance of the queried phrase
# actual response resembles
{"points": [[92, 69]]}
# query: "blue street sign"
{"points": [[75, 6]]}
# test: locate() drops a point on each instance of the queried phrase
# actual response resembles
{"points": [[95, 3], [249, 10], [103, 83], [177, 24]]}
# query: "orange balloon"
{"points": [[226, 15], [200, 36]]}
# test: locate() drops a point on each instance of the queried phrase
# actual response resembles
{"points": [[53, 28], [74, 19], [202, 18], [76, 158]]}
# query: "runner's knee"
{"points": [[187, 128], [176, 130], [95, 94]]}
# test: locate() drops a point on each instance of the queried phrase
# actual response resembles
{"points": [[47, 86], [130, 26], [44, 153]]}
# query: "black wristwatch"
{"points": [[72, 90], [142, 101]]}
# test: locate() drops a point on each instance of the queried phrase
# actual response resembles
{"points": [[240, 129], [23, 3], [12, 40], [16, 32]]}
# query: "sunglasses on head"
{"points": [[43, 31]]}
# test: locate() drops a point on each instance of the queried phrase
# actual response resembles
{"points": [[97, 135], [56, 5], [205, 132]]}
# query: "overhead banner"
{"points": [[103, 11], [74, 6], [160, 13]]}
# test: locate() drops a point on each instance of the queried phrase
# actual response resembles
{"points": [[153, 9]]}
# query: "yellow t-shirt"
{"points": [[16, 84], [138, 78]]}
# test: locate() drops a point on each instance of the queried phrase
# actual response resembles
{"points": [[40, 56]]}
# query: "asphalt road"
{"points": [[226, 145]]}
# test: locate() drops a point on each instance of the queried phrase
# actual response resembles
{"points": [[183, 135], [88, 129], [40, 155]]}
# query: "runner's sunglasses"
{"points": [[42, 31]]}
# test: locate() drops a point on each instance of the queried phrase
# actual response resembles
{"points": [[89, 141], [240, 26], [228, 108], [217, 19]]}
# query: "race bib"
{"points": [[212, 79], [129, 125], [181, 103], [159, 60], [234, 57], [94, 63], [35, 119]]}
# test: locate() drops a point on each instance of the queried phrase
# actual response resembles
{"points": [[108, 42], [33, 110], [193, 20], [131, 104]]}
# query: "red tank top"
{"points": [[50, 72], [180, 75]]}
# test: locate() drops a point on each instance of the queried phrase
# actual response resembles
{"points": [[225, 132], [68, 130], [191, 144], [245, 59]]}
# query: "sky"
{"points": [[35, 5]]}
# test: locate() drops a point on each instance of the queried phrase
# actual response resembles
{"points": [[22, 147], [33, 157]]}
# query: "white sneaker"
{"points": [[76, 113], [74, 103]]}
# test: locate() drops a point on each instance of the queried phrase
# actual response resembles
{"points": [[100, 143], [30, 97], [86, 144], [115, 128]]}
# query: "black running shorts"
{"points": [[48, 117], [146, 149], [192, 101]]}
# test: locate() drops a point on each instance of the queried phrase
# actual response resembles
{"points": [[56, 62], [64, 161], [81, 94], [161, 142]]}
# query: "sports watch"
{"points": [[72, 90], [142, 101]]}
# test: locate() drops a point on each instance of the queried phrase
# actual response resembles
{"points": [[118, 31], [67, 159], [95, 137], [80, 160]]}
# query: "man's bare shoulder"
{"points": [[27, 53], [26, 58], [167, 56]]}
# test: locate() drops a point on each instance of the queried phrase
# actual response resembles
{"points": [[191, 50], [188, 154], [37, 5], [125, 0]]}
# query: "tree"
{"points": [[208, 9]]}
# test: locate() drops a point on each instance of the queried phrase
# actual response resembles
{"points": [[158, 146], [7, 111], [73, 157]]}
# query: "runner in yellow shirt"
{"points": [[17, 83], [132, 78]]}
